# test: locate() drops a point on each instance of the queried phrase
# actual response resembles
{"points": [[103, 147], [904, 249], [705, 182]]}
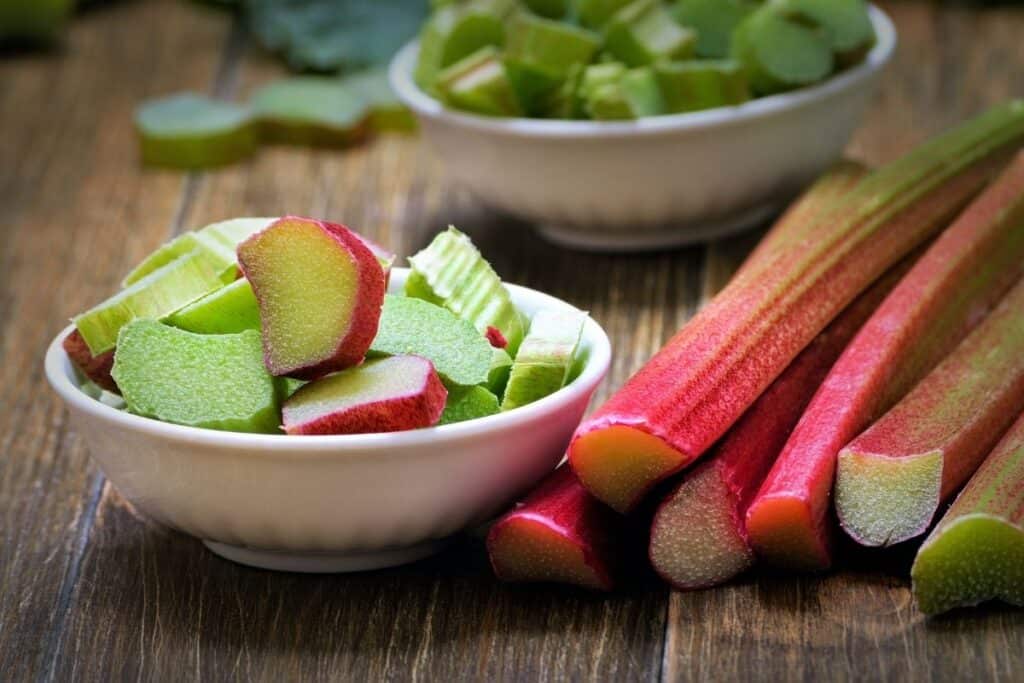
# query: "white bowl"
{"points": [[332, 503], [655, 182]]}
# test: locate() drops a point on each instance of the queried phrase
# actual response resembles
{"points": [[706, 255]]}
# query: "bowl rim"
{"points": [[59, 370], [401, 80]]}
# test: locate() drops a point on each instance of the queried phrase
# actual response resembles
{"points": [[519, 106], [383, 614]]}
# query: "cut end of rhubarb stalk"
{"points": [[387, 395], [528, 548], [781, 532], [320, 291], [883, 500], [695, 538], [96, 368], [976, 558], [619, 464]]}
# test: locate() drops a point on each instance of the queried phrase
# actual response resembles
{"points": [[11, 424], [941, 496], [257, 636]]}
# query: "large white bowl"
{"points": [[655, 182], [332, 503]]}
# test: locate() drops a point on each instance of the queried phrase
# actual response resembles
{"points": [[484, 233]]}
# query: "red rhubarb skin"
{"points": [[96, 368], [747, 452], [712, 370], [364, 317], [997, 488], [562, 505], [416, 410], [937, 416], [495, 337], [950, 290]]}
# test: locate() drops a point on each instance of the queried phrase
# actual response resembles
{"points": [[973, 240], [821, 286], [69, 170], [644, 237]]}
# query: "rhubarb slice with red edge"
{"points": [[687, 396], [961, 278]]}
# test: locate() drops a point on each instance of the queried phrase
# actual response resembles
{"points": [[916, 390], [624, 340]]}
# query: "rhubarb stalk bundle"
{"points": [[960, 279], [687, 396]]}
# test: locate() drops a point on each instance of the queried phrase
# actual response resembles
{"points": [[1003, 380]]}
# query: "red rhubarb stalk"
{"points": [[698, 536], [687, 396], [976, 552], [560, 533], [95, 367], [959, 280], [892, 478]]}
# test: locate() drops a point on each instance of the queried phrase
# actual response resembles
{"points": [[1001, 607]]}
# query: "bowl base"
{"points": [[325, 562], [664, 238]]}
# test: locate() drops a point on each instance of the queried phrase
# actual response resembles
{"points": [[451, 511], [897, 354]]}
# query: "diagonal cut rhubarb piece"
{"points": [[559, 534], [686, 397], [961, 278], [976, 552], [698, 535], [892, 478]]}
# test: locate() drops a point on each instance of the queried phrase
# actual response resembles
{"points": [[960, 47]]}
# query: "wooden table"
{"points": [[90, 591]]}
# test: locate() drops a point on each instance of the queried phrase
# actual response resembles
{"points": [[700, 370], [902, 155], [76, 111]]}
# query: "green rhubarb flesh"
{"points": [[976, 552], [156, 295], [551, 9], [891, 479], [455, 32], [501, 366], [687, 396], [480, 84], [387, 113], [192, 131], [545, 359], [468, 403], [644, 32], [846, 24], [451, 272], [310, 110], [714, 22], [410, 326], [780, 54], [552, 47], [596, 13], [228, 310], [701, 84], [211, 381], [217, 241]]}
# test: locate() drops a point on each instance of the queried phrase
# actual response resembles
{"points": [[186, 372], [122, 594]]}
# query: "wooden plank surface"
{"points": [[89, 591]]}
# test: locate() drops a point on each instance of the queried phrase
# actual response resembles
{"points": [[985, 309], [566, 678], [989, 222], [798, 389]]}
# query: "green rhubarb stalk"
{"points": [[451, 272], [545, 360], [891, 479], [976, 552], [479, 83], [454, 32], [701, 84], [191, 131], [699, 384], [714, 21], [644, 32]]}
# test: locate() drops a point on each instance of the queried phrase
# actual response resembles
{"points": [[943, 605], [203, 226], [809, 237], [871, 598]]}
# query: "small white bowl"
{"points": [[655, 182], [332, 503]]}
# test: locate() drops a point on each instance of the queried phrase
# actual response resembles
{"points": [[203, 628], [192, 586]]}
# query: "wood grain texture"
{"points": [[76, 213], [90, 591]]}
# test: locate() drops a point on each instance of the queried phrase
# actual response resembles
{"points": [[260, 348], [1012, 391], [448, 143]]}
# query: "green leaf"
{"points": [[327, 35]]}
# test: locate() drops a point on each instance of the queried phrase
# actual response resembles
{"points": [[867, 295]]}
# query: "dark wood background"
{"points": [[89, 591]]}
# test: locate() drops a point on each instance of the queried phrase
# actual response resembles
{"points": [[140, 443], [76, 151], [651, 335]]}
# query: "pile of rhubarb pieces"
{"points": [[864, 366], [262, 325]]}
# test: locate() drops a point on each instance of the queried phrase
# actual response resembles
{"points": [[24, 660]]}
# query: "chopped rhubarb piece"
{"points": [[560, 533], [387, 395], [95, 367], [320, 291], [958, 280], [891, 479], [469, 403], [545, 359], [698, 536], [976, 552], [687, 396]]}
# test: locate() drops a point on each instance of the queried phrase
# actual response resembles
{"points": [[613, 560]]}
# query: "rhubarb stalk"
{"points": [[560, 533], [698, 536], [686, 397], [891, 479], [959, 280], [976, 552]]}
